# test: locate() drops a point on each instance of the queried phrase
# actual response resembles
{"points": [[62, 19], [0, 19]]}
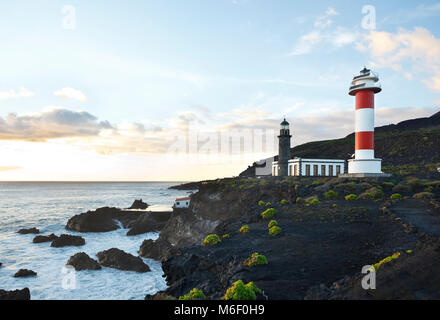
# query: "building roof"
{"points": [[183, 199], [284, 123]]}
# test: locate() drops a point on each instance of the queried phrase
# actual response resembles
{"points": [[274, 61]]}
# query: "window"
{"points": [[307, 169], [323, 170], [338, 170], [315, 169], [330, 170], [178, 203]]}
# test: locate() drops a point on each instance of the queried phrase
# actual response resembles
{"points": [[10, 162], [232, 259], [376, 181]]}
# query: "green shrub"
{"points": [[226, 236], [268, 204], [241, 291], [261, 203], [366, 196], [423, 195], [429, 189], [388, 184], [244, 229], [331, 194], [351, 197], [376, 192], [388, 259], [272, 223], [298, 199], [396, 196], [274, 231], [284, 201], [211, 240], [312, 201], [256, 259], [194, 294], [269, 213], [334, 205]]}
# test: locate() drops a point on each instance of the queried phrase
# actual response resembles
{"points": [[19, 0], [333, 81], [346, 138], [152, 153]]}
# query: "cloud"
{"points": [[324, 20], [51, 123], [406, 51], [9, 168], [324, 34], [70, 93], [12, 94]]}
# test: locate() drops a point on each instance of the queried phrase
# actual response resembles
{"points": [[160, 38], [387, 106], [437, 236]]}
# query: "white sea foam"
{"points": [[48, 206]]}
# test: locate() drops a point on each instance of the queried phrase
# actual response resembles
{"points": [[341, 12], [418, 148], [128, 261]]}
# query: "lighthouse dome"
{"points": [[365, 80]]}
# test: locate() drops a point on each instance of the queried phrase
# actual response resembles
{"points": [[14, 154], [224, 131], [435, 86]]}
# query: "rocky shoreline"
{"points": [[321, 243], [314, 236]]}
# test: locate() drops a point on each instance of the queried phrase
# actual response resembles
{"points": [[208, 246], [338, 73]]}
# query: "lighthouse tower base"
{"points": [[365, 168]]}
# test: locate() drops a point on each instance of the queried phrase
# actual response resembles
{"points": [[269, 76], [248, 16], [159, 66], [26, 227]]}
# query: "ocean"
{"points": [[48, 206]]}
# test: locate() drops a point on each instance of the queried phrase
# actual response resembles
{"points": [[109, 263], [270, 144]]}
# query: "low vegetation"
{"points": [[272, 223], [256, 259], [194, 294], [423, 195], [241, 291], [211, 240], [331, 194], [244, 229], [269, 213], [351, 197], [274, 231], [386, 260], [396, 196]]}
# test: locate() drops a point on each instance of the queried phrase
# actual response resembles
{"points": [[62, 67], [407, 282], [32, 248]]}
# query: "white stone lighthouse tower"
{"points": [[364, 86]]}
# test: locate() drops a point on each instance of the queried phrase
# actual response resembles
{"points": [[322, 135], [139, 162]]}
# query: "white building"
{"points": [[182, 202], [312, 167]]}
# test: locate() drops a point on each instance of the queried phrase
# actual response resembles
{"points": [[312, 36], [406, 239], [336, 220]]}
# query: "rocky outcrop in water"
{"points": [[139, 204], [118, 259], [149, 222], [28, 231], [81, 261], [65, 240], [41, 239], [109, 219], [100, 220], [157, 250], [23, 294], [24, 273]]}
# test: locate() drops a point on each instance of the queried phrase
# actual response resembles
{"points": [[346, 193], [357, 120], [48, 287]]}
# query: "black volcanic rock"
{"points": [[24, 273], [23, 294], [81, 261], [27, 231], [409, 277], [118, 259], [65, 240], [157, 250], [139, 204], [149, 222], [319, 244], [102, 220], [40, 239]]}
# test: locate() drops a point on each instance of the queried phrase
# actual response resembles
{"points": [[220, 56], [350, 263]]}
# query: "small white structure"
{"points": [[312, 167], [264, 167], [182, 202]]}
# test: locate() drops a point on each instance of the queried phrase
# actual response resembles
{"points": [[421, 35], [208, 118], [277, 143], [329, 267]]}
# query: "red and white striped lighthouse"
{"points": [[364, 86]]}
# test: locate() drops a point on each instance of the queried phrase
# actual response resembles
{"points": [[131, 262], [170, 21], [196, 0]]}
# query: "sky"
{"points": [[189, 90]]}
